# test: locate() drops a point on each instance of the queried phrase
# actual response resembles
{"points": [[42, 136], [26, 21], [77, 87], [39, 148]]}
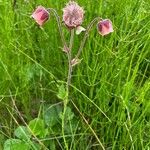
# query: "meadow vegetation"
{"points": [[109, 99]]}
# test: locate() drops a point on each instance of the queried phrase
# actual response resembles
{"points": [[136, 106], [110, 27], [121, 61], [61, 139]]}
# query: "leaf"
{"points": [[71, 122], [37, 146], [69, 115], [38, 127], [2, 139], [62, 93], [52, 145], [51, 115], [22, 132], [71, 126], [16, 144]]}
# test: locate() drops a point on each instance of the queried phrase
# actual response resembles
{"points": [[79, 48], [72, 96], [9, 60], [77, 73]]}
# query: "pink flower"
{"points": [[40, 15], [73, 15], [105, 27]]}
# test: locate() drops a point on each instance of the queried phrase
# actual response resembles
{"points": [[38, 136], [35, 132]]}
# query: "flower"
{"points": [[105, 27], [40, 15], [80, 29], [73, 15]]}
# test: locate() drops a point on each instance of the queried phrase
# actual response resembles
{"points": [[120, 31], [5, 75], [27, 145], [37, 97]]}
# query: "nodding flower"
{"points": [[73, 15], [40, 15], [105, 27]]}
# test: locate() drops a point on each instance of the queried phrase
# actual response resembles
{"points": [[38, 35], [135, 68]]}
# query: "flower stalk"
{"points": [[59, 27], [66, 100], [91, 24], [69, 59]]}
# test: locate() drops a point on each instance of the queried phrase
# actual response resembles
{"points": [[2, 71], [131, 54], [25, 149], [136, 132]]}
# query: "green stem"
{"points": [[59, 26], [69, 54], [67, 85]]}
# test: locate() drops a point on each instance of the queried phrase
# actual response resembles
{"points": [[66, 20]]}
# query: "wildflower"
{"points": [[40, 15], [80, 29], [105, 27], [73, 15]]}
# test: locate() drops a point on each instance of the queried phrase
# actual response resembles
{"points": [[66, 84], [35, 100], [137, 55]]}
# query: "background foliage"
{"points": [[110, 94]]}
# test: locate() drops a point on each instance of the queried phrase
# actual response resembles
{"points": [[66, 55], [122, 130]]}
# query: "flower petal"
{"points": [[80, 29], [40, 15], [105, 27], [73, 15]]}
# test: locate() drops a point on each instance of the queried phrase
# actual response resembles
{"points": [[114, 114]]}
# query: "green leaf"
{"points": [[69, 115], [62, 93], [37, 146], [16, 144], [2, 139], [71, 122], [51, 115], [38, 127], [71, 126], [52, 145], [22, 132]]}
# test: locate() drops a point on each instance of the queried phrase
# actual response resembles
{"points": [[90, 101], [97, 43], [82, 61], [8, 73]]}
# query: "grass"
{"points": [[110, 92]]}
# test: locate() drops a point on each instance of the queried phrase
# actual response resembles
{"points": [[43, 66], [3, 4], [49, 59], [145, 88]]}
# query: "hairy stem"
{"points": [[86, 35], [69, 54], [59, 26], [67, 85]]}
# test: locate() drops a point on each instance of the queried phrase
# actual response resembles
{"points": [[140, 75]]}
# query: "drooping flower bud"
{"points": [[80, 29], [75, 61], [40, 15], [105, 27], [73, 15]]}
